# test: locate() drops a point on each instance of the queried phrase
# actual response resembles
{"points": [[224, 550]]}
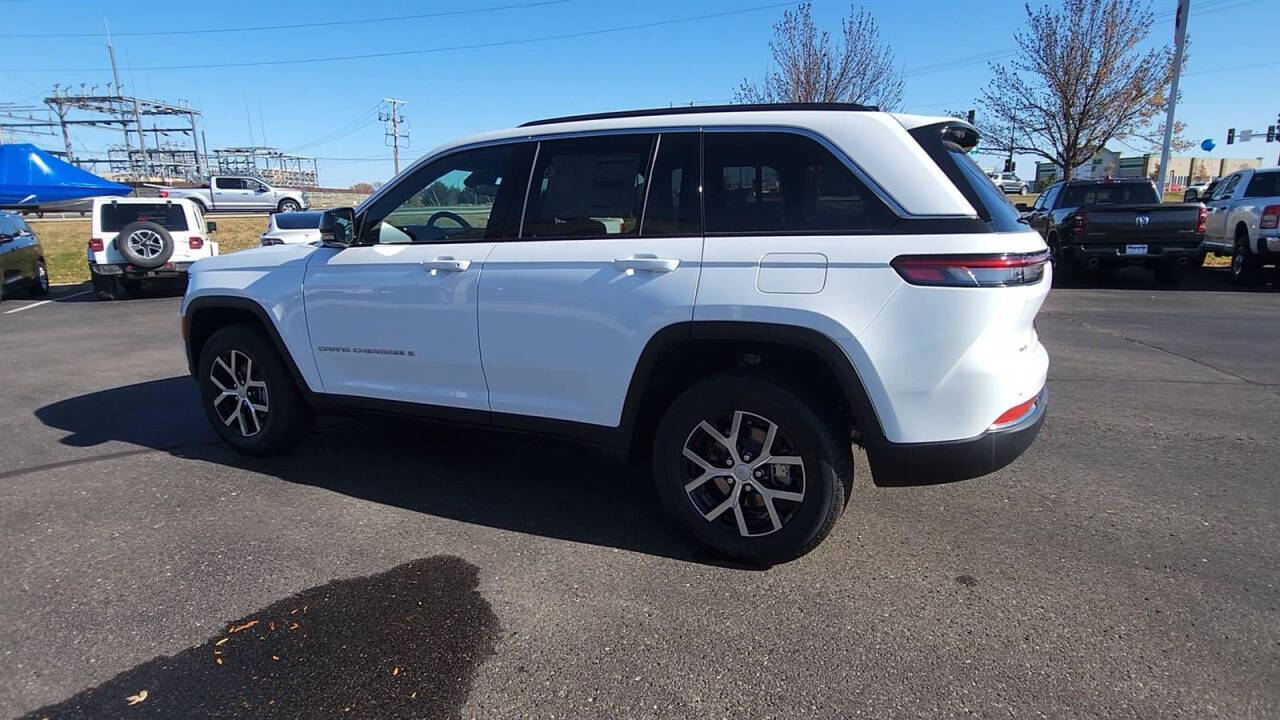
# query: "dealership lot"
{"points": [[1125, 566]]}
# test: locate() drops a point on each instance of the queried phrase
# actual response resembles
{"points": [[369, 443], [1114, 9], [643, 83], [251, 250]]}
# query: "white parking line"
{"points": [[46, 302]]}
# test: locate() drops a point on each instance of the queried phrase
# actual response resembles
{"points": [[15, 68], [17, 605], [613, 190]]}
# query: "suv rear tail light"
{"points": [[1270, 217], [1203, 220], [1079, 222], [95, 245], [972, 270], [196, 242]]}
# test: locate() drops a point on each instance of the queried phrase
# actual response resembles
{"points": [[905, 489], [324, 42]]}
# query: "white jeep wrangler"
{"points": [[133, 240], [737, 294]]}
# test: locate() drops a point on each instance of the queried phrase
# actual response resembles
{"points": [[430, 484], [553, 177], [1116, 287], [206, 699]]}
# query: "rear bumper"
{"points": [[1115, 254], [932, 463], [130, 272]]}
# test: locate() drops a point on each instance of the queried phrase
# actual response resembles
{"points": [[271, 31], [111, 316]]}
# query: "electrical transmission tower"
{"points": [[397, 132]]}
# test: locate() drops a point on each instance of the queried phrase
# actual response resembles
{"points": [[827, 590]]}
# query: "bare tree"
{"points": [[1080, 80], [809, 67]]}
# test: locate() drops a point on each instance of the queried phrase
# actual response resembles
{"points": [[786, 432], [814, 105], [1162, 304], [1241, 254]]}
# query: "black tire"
{"points": [[807, 428], [1197, 260], [1168, 274], [145, 244], [107, 288], [287, 417], [1245, 266], [39, 286], [288, 205], [1064, 267]]}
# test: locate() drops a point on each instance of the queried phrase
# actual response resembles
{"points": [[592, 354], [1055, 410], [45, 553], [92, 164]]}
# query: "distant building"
{"points": [[1183, 170]]}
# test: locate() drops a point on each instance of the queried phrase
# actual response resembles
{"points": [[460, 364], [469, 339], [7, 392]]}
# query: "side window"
{"points": [[1225, 190], [253, 185], [674, 205], [589, 187], [783, 182], [449, 200], [1263, 185], [228, 183]]}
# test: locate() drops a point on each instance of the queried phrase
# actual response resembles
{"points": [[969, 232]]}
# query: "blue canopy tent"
{"points": [[31, 177]]}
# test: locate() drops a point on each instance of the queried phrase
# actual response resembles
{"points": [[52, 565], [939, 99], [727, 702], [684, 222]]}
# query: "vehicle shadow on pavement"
{"points": [[1211, 279], [513, 482], [404, 643]]}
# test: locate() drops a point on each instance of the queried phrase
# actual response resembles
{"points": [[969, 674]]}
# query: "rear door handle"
{"points": [[646, 263], [445, 264]]}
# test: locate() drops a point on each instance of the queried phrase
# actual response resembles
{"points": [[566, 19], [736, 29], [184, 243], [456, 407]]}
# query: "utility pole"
{"points": [[1182, 16], [115, 75], [393, 133]]}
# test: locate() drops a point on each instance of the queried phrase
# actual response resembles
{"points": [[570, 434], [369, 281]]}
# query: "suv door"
{"points": [[566, 311], [394, 316]]}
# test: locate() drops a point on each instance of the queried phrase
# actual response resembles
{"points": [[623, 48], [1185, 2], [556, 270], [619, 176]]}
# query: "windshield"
{"points": [[1129, 193], [297, 220]]}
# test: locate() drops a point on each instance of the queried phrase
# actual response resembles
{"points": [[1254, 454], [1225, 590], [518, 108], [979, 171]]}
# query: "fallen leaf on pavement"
{"points": [[221, 641], [238, 628], [135, 699]]}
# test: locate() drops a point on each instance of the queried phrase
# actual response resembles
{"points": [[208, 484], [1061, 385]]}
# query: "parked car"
{"points": [[1197, 192], [1116, 222], [22, 264], [239, 192], [291, 228], [1009, 182], [734, 292], [134, 240], [1244, 212]]}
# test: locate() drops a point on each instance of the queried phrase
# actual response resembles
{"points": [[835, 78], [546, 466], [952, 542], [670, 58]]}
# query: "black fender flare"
{"points": [[206, 303]]}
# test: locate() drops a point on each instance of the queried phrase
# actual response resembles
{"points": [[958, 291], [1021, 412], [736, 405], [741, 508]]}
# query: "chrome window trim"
{"points": [[883, 195]]}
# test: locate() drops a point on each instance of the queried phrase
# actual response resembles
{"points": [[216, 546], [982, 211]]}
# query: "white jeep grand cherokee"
{"points": [[738, 293]]}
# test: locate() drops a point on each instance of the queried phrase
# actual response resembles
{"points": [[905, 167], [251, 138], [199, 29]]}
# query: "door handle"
{"points": [[445, 264], [646, 263]]}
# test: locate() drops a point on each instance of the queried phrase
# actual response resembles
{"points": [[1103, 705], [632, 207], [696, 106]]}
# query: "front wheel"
{"points": [[753, 468], [248, 394], [289, 206], [40, 283]]}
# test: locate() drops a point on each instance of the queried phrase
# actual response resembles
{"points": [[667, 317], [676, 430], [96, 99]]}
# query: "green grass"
{"points": [[64, 243]]}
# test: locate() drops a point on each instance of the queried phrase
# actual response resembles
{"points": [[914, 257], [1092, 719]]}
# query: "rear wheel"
{"points": [[1245, 267], [247, 393], [40, 283], [753, 468], [107, 288]]}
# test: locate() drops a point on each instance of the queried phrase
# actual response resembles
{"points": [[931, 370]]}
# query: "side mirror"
{"points": [[1022, 207], [211, 225], [1189, 196], [337, 227]]}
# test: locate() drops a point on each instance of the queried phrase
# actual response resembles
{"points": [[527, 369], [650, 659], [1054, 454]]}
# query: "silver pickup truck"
{"points": [[238, 192], [1244, 221]]}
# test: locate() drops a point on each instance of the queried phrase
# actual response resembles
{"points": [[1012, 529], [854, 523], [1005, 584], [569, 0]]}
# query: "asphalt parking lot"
{"points": [[1126, 566]]}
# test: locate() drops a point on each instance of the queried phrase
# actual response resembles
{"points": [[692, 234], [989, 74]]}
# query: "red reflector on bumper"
{"points": [[1016, 412]]}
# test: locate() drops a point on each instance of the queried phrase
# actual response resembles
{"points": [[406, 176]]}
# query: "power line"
{"points": [[452, 48], [295, 26], [361, 121]]}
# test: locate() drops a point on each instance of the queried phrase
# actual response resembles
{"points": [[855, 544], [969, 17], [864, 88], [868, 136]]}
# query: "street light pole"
{"points": [[1180, 44]]}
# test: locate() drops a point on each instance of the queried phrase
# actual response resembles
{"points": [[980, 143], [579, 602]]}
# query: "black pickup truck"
{"points": [[1117, 222]]}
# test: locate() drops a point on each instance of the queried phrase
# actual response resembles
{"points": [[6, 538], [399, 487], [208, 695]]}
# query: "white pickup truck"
{"points": [[239, 192], [1244, 221]]}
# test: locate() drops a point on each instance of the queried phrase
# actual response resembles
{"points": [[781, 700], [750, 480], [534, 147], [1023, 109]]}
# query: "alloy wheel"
{"points": [[241, 403], [743, 472], [42, 275], [146, 244]]}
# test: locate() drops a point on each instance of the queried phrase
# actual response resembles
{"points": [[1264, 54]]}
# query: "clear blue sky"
{"points": [[452, 92]]}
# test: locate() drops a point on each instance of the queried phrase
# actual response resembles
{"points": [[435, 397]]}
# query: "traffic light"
{"points": [[970, 117], [1231, 135], [1271, 133]]}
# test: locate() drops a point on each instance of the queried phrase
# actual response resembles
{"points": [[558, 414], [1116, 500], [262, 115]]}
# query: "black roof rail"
{"points": [[699, 109]]}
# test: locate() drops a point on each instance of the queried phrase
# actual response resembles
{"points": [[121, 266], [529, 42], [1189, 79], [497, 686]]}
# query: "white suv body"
{"points": [[291, 228], [855, 256], [135, 239]]}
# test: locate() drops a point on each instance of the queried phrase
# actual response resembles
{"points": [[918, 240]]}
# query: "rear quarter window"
{"points": [[990, 202], [1264, 185], [170, 216]]}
